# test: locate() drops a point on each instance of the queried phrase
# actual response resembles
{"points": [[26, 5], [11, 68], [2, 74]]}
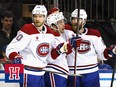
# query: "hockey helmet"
{"points": [[54, 18], [40, 9], [53, 10], [82, 14]]}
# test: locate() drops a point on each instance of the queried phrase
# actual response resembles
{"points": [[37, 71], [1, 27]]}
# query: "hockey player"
{"points": [[55, 10], [31, 47], [91, 47], [57, 23]]}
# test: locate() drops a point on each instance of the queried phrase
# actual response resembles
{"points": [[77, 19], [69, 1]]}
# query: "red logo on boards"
{"points": [[14, 72]]}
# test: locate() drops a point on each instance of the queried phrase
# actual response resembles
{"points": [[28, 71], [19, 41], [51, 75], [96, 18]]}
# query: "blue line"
{"points": [[2, 79], [106, 71], [107, 78], [2, 71]]}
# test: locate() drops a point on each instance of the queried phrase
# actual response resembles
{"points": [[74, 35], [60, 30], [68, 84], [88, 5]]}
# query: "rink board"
{"points": [[105, 79], [2, 81]]}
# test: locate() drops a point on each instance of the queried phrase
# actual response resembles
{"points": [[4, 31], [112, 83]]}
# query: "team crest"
{"points": [[43, 49], [84, 47]]}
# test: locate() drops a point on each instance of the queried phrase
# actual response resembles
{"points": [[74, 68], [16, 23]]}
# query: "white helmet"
{"points": [[82, 14], [54, 18], [40, 9]]}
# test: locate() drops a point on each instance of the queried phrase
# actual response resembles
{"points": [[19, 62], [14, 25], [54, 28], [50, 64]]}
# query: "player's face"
{"points": [[38, 20], [7, 22], [61, 25], [54, 27], [76, 25]]}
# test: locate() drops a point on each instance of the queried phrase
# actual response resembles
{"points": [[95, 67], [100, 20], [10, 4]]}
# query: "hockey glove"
{"points": [[75, 41], [112, 50], [17, 59]]}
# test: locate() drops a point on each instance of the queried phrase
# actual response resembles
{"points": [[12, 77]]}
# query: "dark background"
{"points": [[101, 14]]}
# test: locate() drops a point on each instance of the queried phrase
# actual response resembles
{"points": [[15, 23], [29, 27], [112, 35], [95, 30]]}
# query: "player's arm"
{"points": [[103, 52], [16, 45]]}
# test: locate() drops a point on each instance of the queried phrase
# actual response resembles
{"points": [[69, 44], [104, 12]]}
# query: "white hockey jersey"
{"points": [[34, 46], [60, 64], [91, 48]]}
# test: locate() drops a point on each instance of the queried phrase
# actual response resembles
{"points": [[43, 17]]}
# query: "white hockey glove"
{"points": [[64, 48]]}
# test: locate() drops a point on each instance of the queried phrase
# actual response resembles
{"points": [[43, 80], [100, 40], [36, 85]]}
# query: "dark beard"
{"points": [[76, 29]]}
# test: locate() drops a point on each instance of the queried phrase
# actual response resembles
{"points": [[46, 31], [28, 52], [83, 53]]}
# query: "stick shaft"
{"points": [[113, 75], [77, 31]]}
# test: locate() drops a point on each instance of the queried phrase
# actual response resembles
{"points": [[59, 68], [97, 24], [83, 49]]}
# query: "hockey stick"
{"points": [[7, 61], [41, 69], [113, 73], [77, 30], [44, 69]]}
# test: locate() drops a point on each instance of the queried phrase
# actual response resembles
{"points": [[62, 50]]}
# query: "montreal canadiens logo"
{"points": [[43, 49], [84, 47]]}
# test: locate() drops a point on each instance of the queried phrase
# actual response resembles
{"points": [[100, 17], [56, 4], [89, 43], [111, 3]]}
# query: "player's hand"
{"points": [[64, 48], [112, 50], [17, 59], [75, 41]]}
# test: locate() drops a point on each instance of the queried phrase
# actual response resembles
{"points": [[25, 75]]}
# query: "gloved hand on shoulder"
{"points": [[75, 41]]}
